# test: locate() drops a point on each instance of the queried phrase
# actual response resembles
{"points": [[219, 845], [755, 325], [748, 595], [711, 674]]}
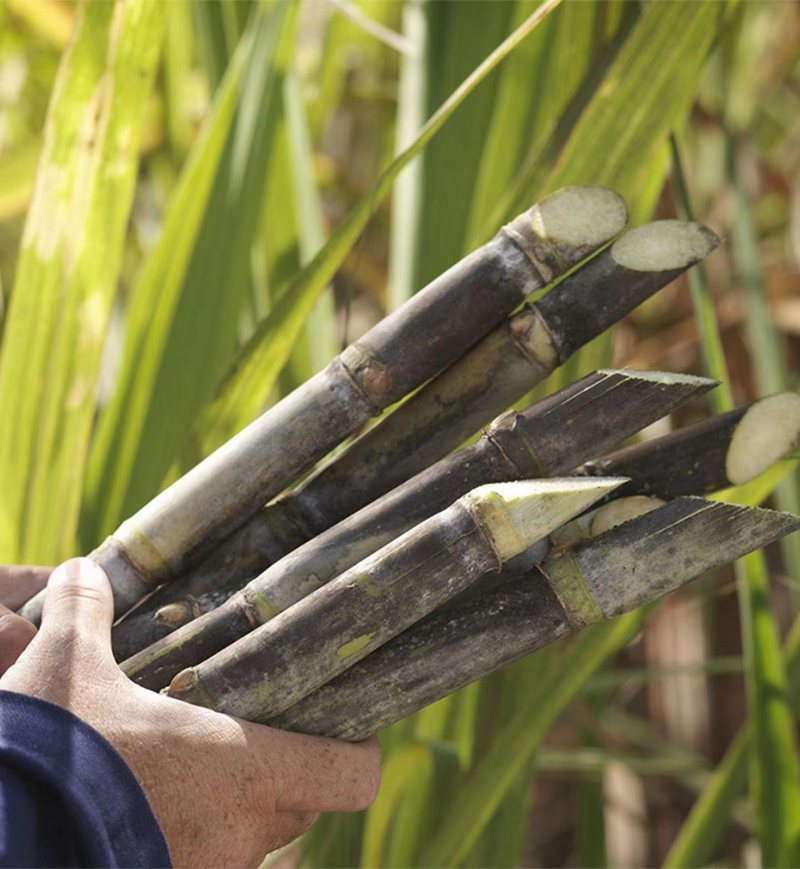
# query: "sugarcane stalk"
{"points": [[620, 570], [401, 352], [547, 439], [726, 450], [502, 368], [308, 645], [505, 365]]}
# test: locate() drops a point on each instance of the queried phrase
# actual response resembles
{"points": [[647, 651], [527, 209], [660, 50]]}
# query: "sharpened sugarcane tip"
{"points": [[517, 514], [580, 216], [664, 245], [766, 433]]}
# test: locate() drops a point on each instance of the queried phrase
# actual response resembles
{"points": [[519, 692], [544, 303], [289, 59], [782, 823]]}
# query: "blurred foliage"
{"points": [[233, 227]]}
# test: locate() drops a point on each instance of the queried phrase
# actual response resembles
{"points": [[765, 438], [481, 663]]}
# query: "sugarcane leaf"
{"points": [[177, 77], [711, 348], [415, 818], [662, 57], [555, 62], [49, 19], [256, 369], [775, 770], [67, 273], [17, 173], [412, 108], [184, 315], [483, 789], [756, 492], [459, 34], [398, 768], [710, 815], [295, 231]]}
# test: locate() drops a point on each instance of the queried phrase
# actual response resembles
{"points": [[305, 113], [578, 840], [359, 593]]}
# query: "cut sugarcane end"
{"points": [[668, 378], [187, 686], [173, 615], [517, 514], [664, 245], [580, 216], [766, 433], [617, 512]]}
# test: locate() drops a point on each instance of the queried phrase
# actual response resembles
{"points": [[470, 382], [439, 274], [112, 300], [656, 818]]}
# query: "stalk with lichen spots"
{"points": [[329, 631], [618, 571], [548, 438], [405, 349]]}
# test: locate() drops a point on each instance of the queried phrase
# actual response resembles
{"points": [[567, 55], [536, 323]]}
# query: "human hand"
{"points": [[17, 585], [225, 792]]}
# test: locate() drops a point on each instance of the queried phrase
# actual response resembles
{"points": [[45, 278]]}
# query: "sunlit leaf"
{"points": [[67, 273]]}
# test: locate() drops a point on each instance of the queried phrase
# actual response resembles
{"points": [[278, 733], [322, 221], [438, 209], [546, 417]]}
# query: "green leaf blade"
{"points": [[67, 272]]}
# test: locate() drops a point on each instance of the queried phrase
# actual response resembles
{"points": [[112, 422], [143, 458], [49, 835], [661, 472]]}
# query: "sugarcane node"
{"points": [[564, 577], [188, 687], [773, 424], [532, 336], [371, 377], [507, 437]]}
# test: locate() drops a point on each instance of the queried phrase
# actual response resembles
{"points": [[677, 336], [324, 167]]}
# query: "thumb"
{"points": [[79, 599]]}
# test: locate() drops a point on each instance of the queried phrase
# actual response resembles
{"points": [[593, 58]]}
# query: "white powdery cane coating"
{"points": [[517, 514], [580, 216], [618, 512], [766, 433], [664, 245]]}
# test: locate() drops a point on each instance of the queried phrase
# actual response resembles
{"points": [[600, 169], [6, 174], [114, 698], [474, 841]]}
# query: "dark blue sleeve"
{"points": [[66, 797]]}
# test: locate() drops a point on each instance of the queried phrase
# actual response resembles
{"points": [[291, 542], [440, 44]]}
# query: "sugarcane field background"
{"points": [[204, 203]]}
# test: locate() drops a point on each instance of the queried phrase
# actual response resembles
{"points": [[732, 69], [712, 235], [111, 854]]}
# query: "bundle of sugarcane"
{"points": [[549, 438], [497, 371], [268, 672], [401, 570], [407, 348]]}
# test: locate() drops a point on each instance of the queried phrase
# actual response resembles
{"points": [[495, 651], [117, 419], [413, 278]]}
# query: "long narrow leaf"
{"points": [[246, 389], [483, 789], [67, 273], [183, 322]]}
